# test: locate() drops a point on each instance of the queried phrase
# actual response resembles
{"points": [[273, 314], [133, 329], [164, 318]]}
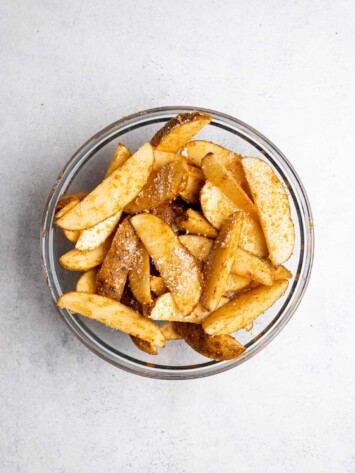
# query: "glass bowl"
{"points": [[87, 168]]}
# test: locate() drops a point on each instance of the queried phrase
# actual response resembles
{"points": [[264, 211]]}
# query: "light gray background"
{"points": [[67, 69]]}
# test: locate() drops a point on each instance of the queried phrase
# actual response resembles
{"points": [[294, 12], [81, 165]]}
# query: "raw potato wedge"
{"points": [[113, 194], [193, 222], [179, 130], [163, 185], [112, 277], [67, 202], [164, 308], [175, 264], [198, 246], [157, 285], [93, 237], [169, 332], [216, 173], [87, 282], [195, 151], [72, 235], [195, 181], [273, 207], [250, 266], [139, 275], [282, 273], [244, 309], [113, 314], [219, 347], [120, 156], [217, 207], [145, 346], [76, 260], [220, 261]]}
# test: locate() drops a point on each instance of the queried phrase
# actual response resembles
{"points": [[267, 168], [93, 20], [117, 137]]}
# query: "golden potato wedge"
{"points": [[219, 347], [163, 185], [87, 282], [113, 194], [164, 308], [67, 202], [273, 208], [112, 277], [179, 130], [168, 212], [91, 238], [113, 314], [139, 275], [195, 181], [120, 156], [161, 158], [157, 285], [198, 246], [193, 222], [72, 235], [216, 173], [176, 265], [236, 283], [250, 266], [220, 261], [245, 308], [252, 238], [195, 151], [282, 273], [145, 346], [76, 260], [169, 332]]}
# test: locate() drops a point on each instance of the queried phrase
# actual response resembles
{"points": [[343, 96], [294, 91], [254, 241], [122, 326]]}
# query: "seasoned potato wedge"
{"points": [[169, 332], [220, 261], [239, 312], [216, 173], [282, 273], [195, 181], [113, 314], [145, 346], [113, 194], [179, 130], [139, 275], [219, 347], [72, 235], [76, 260], [91, 238], [67, 202], [193, 222], [87, 282], [176, 265], [112, 277], [198, 246], [273, 208], [157, 285], [163, 185], [236, 283], [195, 151], [168, 212], [161, 158], [120, 156], [250, 266]]}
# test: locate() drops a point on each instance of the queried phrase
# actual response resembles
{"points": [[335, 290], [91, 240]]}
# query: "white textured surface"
{"points": [[68, 68]]}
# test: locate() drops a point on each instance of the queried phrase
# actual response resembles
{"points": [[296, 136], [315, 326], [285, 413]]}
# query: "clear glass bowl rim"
{"points": [[151, 370]]}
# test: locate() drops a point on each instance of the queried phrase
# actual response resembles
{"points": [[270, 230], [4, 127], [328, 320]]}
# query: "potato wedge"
{"points": [[120, 156], [113, 314], [179, 130], [198, 246], [220, 261], [176, 265], [168, 212], [76, 260], [193, 222], [164, 308], [195, 151], [169, 332], [216, 173], [273, 208], [72, 235], [157, 285], [163, 185], [250, 266], [217, 207], [91, 238], [236, 283], [161, 158], [145, 346], [87, 282], [282, 273], [112, 277], [67, 202], [139, 275], [113, 194], [245, 308], [219, 347], [195, 181]]}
